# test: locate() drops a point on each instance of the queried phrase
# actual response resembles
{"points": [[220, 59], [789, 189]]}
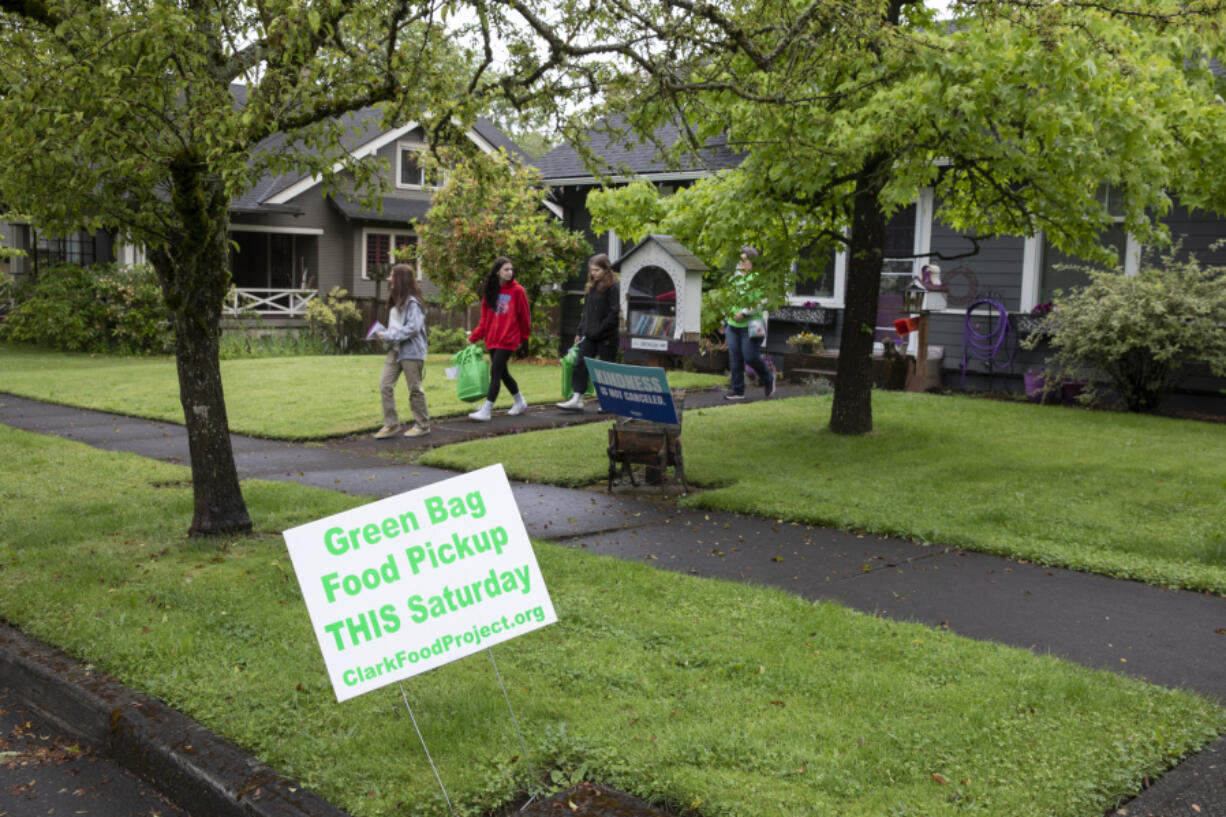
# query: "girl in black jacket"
{"points": [[598, 328]]}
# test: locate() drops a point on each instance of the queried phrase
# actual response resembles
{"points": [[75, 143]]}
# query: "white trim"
{"points": [[373, 146], [839, 287], [256, 228], [615, 245], [556, 209], [129, 254], [1132, 257], [384, 231], [1032, 265], [925, 206], [416, 147]]}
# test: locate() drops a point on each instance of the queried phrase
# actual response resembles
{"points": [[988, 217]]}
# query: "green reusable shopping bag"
{"points": [[473, 375], [568, 371]]}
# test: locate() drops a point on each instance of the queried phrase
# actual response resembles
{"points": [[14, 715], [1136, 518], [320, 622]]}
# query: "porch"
{"points": [[268, 302]]}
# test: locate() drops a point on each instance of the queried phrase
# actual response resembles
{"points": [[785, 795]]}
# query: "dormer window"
{"points": [[411, 172]]}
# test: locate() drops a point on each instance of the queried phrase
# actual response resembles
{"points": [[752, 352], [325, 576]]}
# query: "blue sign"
{"points": [[640, 392]]}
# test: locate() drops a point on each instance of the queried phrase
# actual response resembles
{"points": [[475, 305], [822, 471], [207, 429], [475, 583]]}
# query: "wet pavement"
{"points": [[1167, 637], [44, 769]]}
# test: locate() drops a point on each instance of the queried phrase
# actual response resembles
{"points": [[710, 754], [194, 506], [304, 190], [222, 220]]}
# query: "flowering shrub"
{"points": [[335, 320], [806, 340], [1138, 336], [92, 309], [1042, 309]]}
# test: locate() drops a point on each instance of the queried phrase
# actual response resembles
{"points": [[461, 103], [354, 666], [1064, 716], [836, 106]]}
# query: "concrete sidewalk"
{"points": [[1162, 636]]}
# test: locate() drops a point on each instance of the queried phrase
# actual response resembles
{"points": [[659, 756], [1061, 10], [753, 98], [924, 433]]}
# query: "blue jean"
{"points": [[744, 351]]}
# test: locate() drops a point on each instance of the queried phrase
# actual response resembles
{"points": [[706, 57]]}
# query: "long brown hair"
{"points": [[402, 286], [608, 279]]}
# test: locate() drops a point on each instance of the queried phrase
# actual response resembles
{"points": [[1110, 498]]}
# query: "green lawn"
{"points": [[293, 398], [707, 697], [1126, 495]]}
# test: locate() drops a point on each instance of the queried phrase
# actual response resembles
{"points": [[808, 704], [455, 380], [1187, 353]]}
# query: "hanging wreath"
{"points": [[970, 289]]}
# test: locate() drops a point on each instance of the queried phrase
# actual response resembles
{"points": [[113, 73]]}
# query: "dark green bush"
{"points": [[92, 309], [444, 340]]}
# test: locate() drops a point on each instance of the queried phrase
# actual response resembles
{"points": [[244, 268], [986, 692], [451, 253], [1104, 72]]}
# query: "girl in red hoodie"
{"points": [[505, 324]]}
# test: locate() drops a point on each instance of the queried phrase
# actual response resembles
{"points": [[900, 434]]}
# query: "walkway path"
{"points": [[1162, 636]]}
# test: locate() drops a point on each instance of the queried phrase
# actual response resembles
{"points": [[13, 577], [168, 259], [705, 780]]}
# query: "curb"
{"points": [[197, 770]]}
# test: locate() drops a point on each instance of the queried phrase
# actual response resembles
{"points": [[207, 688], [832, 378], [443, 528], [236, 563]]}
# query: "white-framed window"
{"points": [[817, 276], [1044, 265], [377, 247], [410, 172]]}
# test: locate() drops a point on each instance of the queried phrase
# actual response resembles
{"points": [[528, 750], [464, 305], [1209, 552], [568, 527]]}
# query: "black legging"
{"points": [[499, 373], [605, 350]]}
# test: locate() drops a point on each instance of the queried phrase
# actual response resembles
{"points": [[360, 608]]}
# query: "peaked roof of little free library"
{"points": [[624, 154], [674, 248], [364, 134]]}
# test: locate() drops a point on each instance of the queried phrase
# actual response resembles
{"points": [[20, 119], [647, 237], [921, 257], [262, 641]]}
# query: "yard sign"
{"points": [[640, 392], [414, 581]]}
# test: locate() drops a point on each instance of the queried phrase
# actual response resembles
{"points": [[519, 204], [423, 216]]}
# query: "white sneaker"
{"points": [[575, 403], [386, 432], [482, 415], [518, 406]]}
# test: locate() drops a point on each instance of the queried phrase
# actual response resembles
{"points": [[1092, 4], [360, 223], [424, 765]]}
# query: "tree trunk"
{"points": [[852, 410], [194, 274]]}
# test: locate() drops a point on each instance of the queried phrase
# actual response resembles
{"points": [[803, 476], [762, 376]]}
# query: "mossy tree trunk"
{"points": [[193, 269], [852, 409]]}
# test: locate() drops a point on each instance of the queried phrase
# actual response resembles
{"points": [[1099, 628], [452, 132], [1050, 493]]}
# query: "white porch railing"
{"points": [[286, 303]]}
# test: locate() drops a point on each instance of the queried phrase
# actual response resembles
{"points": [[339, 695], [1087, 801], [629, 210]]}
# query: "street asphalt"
{"points": [[1169, 637]]}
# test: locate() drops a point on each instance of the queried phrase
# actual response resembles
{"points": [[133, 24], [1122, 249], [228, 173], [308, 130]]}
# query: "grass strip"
{"points": [[286, 398], [1125, 495], [704, 696]]}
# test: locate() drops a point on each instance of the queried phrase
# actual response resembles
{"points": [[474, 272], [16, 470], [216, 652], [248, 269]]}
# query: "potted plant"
{"points": [[806, 343], [712, 355]]}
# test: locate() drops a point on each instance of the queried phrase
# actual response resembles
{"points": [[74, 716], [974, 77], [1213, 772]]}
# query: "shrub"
{"points": [[442, 339], [1140, 336], [244, 343], [95, 309], [336, 321]]}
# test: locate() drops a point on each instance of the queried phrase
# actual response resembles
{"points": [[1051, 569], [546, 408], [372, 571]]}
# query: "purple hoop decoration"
{"points": [[987, 347]]}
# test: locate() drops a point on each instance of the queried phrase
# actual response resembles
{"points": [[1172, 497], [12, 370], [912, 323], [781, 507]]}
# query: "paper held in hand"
{"points": [[409, 583], [375, 328]]}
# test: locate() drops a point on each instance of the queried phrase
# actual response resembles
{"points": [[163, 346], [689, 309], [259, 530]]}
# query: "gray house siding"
{"points": [[1197, 232]]}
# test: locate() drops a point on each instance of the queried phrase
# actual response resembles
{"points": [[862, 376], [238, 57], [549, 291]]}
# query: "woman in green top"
{"points": [[742, 349]]}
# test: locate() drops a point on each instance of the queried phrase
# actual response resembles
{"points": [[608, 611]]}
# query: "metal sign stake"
{"points": [[405, 698]]}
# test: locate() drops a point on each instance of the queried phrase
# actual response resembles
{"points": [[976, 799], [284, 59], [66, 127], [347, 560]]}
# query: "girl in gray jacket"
{"points": [[406, 340]]}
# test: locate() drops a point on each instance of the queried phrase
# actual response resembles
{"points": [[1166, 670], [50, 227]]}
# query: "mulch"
{"points": [[591, 800]]}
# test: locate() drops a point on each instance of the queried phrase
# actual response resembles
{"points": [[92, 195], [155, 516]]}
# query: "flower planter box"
{"points": [[1070, 390]]}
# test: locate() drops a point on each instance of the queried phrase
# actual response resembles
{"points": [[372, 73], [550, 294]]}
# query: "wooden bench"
{"points": [[654, 445]]}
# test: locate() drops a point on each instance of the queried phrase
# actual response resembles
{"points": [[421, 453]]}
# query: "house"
{"points": [[290, 241], [289, 236], [1018, 273]]}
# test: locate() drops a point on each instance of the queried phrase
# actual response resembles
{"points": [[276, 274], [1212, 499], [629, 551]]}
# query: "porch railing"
{"points": [[285, 303]]}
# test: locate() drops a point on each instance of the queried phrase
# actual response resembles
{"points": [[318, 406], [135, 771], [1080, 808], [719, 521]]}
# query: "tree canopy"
{"points": [[150, 116], [490, 206], [1014, 115]]}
